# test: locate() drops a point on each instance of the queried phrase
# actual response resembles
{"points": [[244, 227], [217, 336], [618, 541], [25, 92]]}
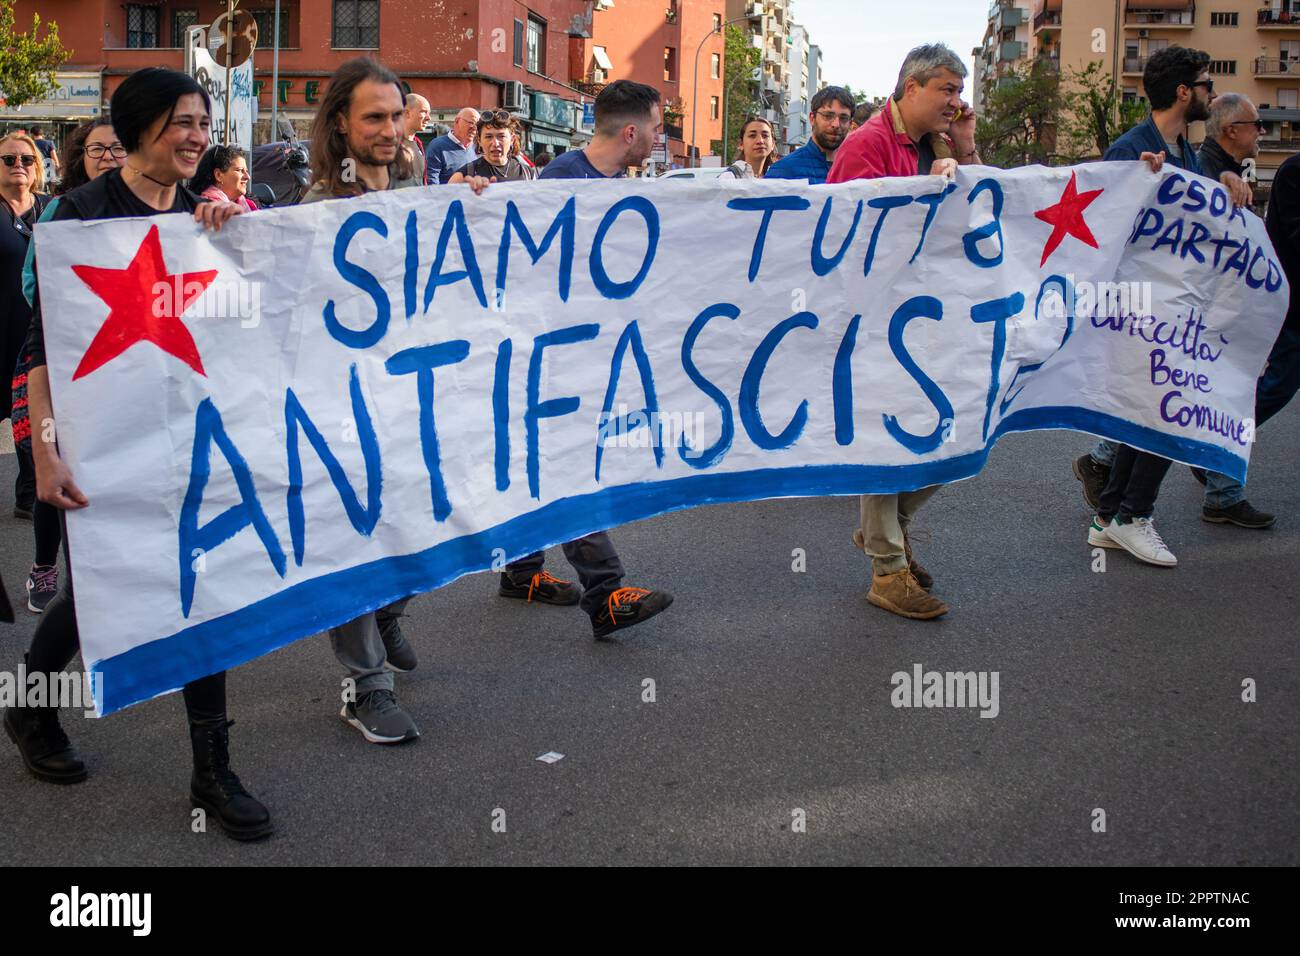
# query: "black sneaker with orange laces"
{"points": [[543, 587], [625, 607]]}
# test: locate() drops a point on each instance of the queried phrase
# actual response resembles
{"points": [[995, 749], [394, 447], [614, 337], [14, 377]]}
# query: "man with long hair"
{"points": [[357, 146]]}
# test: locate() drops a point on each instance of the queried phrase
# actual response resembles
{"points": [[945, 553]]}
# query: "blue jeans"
{"points": [[1276, 387]]}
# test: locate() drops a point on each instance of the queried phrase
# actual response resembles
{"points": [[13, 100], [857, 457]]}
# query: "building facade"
{"points": [[676, 46], [801, 87], [766, 23], [525, 57], [1006, 43], [1254, 48]]}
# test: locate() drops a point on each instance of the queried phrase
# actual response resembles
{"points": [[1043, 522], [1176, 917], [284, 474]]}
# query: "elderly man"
{"points": [[414, 119], [925, 128], [1231, 137], [830, 117], [446, 154]]}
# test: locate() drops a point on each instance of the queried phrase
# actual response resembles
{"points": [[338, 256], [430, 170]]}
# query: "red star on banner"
{"points": [[139, 309], [1067, 217]]}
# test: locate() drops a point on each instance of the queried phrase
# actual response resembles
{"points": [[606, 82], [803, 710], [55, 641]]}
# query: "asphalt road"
{"points": [[1118, 690]]}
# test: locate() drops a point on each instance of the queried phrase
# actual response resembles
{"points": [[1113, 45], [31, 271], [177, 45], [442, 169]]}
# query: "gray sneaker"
{"points": [[380, 718], [398, 652]]}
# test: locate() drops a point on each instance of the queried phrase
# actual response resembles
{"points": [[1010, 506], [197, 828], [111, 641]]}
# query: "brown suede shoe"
{"points": [[903, 595], [922, 576]]}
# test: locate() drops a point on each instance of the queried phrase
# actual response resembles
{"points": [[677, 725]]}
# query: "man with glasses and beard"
{"points": [[830, 116]]}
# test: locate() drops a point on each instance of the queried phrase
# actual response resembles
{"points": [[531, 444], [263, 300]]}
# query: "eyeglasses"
{"points": [[97, 150], [495, 116], [12, 159], [1259, 124], [1208, 84], [829, 115]]}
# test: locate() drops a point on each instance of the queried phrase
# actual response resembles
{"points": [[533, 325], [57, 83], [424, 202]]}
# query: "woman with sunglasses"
{"points": [[162, 118], [22, 177], [92, 148], [497, 137], [757, 150]]}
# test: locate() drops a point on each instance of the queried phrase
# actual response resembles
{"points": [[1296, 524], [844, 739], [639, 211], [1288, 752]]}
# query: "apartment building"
{"points": [[487, 53], [767, 24], [675, 46], [1006, 43], [1254, 46], [800, 87]]}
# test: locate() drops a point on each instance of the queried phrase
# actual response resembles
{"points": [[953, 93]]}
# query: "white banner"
{"points": [[324, 408]]}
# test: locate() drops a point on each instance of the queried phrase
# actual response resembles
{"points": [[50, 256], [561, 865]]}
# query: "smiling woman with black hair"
{"points": [[162, 118]]}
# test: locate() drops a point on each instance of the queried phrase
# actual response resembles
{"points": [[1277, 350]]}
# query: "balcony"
{"points": [[1269, 67], [1160, 14], [1011, 50], [1047, 20], [1277, 20], [1135, 65], [1283, 133], [1008, 18]]}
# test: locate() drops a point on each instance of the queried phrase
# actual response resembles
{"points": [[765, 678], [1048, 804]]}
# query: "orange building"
{"points": [[656, 42], [456, 53]]}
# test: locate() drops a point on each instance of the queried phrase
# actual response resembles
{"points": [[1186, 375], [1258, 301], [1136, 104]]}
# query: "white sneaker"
{"points": [[1140, 539], [1097, 536]]}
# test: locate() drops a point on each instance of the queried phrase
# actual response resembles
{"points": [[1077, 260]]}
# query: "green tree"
{"points": [[1018, 125], [1095, 113], [740, 92], [28, 60]]}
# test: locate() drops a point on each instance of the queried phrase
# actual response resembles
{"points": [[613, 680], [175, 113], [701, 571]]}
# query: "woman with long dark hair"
{"points": [[92, 148], [757, 150], [162, 118]]}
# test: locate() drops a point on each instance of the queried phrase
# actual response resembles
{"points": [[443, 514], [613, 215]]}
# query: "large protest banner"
{"points": [[324, 408]]}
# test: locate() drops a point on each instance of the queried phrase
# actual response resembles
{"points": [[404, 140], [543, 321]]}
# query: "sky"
{"points": [[864, 41]]}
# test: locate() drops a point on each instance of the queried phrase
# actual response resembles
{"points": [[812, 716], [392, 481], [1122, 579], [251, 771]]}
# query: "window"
{"points": [[717, 23], [1154, 45], [141, 26], [1223, 67], [1223, 19], [1286, 99], [670, 64], [266, 27], [715, 65], [713, 108], [519, 43], [182, 20], [1289, 51], [536, 45], [356, 23]]}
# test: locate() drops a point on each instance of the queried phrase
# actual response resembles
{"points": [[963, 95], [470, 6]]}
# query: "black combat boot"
{"points": [[45, 748], [216, 790]]}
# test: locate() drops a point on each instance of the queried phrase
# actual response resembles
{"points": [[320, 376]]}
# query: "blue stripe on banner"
{"points": [[312, 606]]}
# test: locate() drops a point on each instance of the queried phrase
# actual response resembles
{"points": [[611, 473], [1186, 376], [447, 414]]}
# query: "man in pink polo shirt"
{"points": [[924, 129]]}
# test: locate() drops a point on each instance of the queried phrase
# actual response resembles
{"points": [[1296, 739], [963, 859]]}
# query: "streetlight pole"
{"points": [[275, 77], [695, 95]]}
